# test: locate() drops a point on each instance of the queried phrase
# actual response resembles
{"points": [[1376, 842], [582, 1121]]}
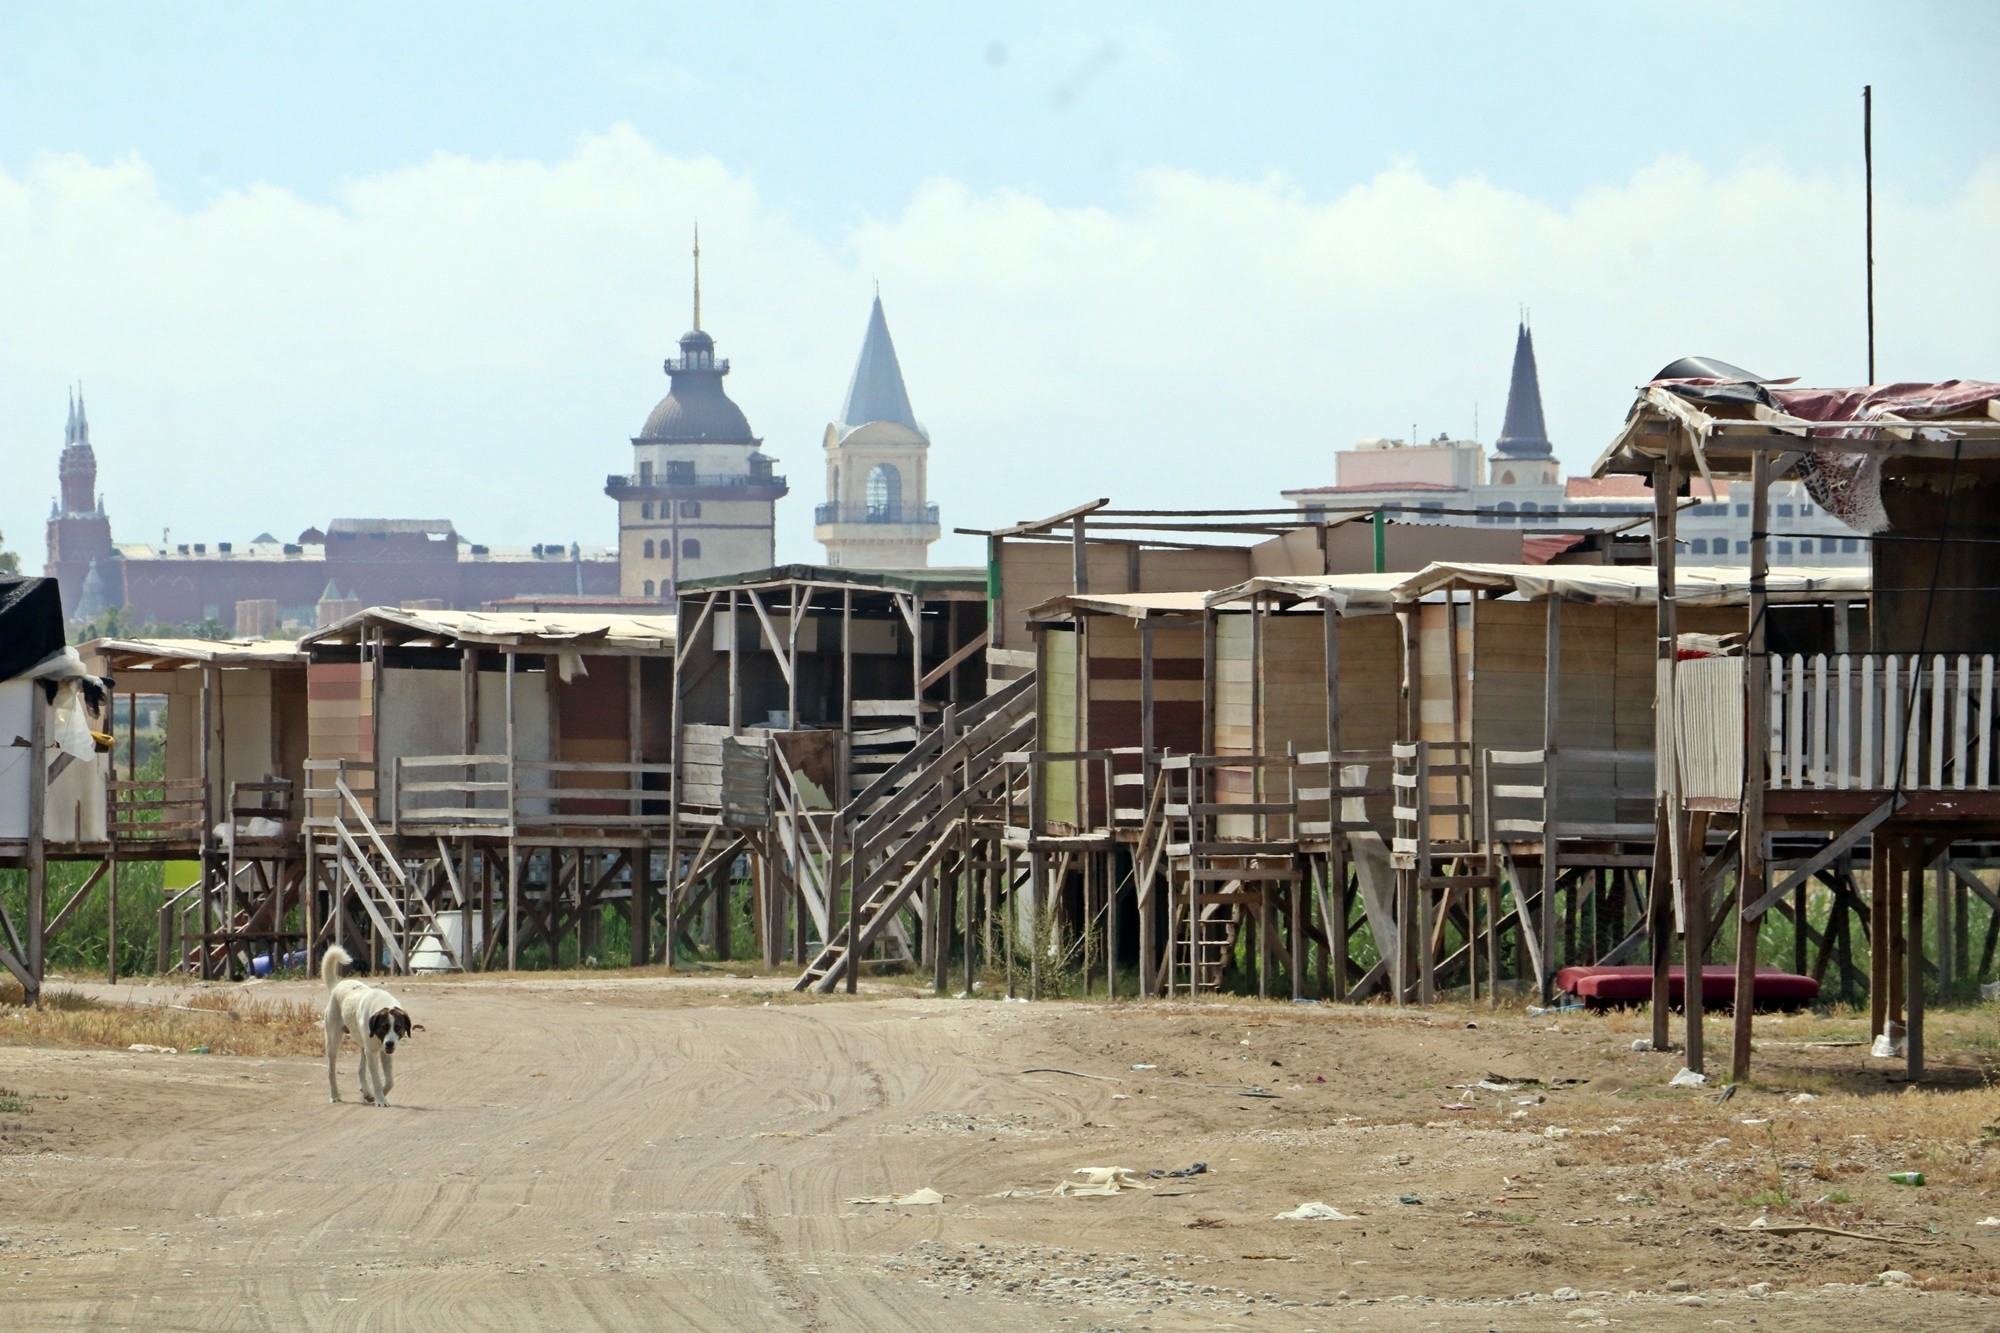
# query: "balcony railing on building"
{"points": [[909, 514], [760, 475]]}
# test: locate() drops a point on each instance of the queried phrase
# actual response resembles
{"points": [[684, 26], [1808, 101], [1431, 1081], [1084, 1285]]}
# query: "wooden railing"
{"points": [[1839, 722], [159, 810], [479, 793]]}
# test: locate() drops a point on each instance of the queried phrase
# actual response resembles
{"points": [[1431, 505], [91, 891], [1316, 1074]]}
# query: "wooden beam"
{"points": [[1750, 878]]}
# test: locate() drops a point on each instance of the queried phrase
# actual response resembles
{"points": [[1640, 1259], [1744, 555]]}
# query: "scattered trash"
{"points": [[1046, 1069], [1557, 1132], [1492, 1084], [1893, 1276], [1473, 1026], [1456, 1106], [1906, 1177], [1565, 1294], [1198, 1169], [1094, 1182], [914, 1199], [1643, 1044], [1145, 1066], [1766, 1226], [1988, 1222], [197, 1050], [1533, 1099], [1758, 1289], [1889, 1044], [1315, 1212], [1753, 1122], [1255, 1092], [144, 1049], [1989, 990], [1802, 1099], [1409, 1198], [1319, 1078], [1728, 1091], [1687, 1078], [1536, 1011]]}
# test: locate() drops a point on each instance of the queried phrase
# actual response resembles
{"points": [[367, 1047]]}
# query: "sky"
{"points": [[425, 260]]}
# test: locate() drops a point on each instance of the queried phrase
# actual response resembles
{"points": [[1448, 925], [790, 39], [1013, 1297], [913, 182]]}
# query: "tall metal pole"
{"points": [[1868, 188]]}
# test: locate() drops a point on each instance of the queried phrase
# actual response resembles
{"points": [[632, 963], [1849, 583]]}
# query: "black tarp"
{"points": [[31, 623]]}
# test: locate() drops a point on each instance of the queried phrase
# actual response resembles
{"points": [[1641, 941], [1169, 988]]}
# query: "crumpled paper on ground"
{"points": [[1315, 1212], [915, 1198], [1092, 1182]]}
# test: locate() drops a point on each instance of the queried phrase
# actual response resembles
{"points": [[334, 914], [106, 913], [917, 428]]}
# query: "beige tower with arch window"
{"points": [[876, 514]]}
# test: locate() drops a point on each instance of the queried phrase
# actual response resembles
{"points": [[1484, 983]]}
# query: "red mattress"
{"points": [[1602, 987]]}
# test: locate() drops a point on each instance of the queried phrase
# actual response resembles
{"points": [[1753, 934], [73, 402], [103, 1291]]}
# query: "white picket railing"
{"points": [[1878, 721]]}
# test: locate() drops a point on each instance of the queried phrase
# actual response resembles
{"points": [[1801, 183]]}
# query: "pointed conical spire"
{"points": [[82, 419], [1523, 434], [69, 431], [877, 392]]}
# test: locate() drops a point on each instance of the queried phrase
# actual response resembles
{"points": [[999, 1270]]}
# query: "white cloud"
{"points": [[477, 339]]}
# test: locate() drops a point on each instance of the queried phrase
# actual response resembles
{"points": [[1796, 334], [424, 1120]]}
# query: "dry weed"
{"points": [[211, 1023]]}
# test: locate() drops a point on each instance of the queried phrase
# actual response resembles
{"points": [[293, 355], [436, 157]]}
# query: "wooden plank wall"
{"points": [[340, 714], [1055, 701], [1115, 687]]}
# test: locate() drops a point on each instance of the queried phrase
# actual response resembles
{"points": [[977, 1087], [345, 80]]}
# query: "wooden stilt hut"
{"points": [[1883, 750]]}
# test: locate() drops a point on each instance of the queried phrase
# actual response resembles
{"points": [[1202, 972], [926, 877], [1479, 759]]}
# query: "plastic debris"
{"points": [[1409, 1198], [1145, 1066], [1198, 1169], [1093, 1182], [1988, 1222], [1802, 1099], [1687, 1078], [143, 1049], [1315, 1212], [1889, 1044], [914, 1199], [1893, 1276], [1906, 1177]]}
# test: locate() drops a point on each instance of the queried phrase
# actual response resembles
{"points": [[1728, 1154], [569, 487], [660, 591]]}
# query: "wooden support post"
{"points": [[1662, 886], [1882, 872], [735, 675], [1913, 967], [1696, 928], [1750, 871], [1551, 765], [37, 904], [513, 799]]}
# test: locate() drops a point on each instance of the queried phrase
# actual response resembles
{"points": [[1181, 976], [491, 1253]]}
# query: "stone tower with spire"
{"points": [[701, 499], [1523, 454], [79, 533], [877, 463]]}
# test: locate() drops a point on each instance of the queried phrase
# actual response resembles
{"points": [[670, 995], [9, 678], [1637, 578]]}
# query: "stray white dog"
{"points": [[372, 1017]]}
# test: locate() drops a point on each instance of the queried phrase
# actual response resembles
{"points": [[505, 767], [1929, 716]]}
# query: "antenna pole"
{"points": [[1868, 186], [697, 275]]}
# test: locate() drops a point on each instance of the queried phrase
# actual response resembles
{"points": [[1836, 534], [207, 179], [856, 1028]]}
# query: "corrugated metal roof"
{"points": [[225, 652], [946, 579], [578, 631], [1611, 585], [1137, 605]]}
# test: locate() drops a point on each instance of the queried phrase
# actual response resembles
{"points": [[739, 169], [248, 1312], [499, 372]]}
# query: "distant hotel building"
{"points": [[702, 497], [1456, 482], [354, 561]]}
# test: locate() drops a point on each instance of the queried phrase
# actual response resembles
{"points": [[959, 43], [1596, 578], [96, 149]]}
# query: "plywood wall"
{"points": [[1055, 700]]}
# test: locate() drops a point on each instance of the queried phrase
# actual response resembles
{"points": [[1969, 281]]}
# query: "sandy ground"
{"points": [[686, 1153]]}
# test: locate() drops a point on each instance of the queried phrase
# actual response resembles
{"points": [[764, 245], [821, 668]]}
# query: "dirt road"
{"points": [[658, 1153]]}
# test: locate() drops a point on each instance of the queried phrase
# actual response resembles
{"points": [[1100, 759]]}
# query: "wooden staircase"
{"points": [[909, 824]]}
